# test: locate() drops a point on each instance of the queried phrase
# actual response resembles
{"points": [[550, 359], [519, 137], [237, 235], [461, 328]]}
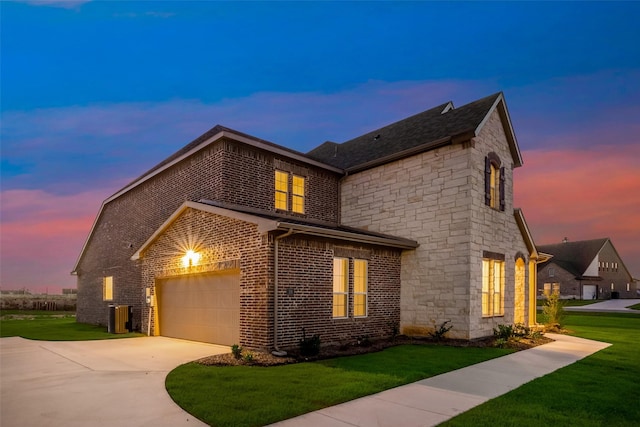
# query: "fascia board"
{"points": [[345, 235], [263, 224]]}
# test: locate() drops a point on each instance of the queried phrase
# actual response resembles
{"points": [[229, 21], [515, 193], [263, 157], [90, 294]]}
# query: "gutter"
{"points": [[277, 351]]}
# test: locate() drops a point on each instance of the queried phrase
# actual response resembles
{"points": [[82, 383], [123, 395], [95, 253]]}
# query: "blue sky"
{"points": [[94, 93]]}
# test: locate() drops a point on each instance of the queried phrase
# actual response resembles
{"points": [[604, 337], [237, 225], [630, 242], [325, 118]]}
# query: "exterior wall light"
{"points": [[191, 258]]}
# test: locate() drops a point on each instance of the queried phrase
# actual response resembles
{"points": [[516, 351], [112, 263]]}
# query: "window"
{"points": [[298, 194], [107, 288], [627, 287], [340, 286], [613, 287], [547, 289], [551, 272], [494, 182], [359, 288], [556, 288], [282, 190], [492, 287]]}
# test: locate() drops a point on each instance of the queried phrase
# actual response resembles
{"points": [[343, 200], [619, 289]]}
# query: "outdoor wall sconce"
{"points": [[191, 258]]}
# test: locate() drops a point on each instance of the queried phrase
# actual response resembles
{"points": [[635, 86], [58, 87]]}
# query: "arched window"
{"points": [[494, 182]]}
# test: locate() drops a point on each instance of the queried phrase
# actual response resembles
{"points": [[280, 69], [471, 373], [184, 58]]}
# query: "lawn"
{"points": [[52, 326], [599, 390], [255, 396]]}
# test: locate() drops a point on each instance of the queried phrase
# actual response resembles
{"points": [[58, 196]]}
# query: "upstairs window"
{"points": [[298, 194], [107, 288], [494, 182], [285, 187], [282, 190]]}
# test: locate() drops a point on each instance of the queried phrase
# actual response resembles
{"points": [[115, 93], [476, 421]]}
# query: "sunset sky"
{"points": [[95, 93]]}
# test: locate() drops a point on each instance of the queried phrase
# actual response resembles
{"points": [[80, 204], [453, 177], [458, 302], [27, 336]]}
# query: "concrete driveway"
{"points": [[612, 305], [94, 383]]}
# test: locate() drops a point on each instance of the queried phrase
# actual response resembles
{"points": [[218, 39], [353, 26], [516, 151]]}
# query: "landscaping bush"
{"points": [[553, 310], [439, 333]]}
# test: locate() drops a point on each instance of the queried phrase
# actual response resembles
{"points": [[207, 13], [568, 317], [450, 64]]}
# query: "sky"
{"points": [[94, 93]]}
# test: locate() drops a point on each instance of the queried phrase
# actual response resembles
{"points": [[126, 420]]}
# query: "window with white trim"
{"points": [[340, 287], [492, 287], [107, 288], [360, 278]]}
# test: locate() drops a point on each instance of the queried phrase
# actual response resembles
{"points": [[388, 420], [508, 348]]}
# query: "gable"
{"points": [[433, 128]]}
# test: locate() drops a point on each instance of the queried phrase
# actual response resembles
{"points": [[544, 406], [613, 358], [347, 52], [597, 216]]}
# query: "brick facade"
{"points": [[601, 273], [226, 171]]}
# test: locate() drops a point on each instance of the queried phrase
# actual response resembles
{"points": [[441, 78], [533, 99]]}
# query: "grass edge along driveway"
{"points": [[599, 390], [255, 396]]}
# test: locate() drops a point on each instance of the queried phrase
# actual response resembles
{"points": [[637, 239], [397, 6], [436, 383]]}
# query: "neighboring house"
{"points": [[234, 239], [587, 269]]}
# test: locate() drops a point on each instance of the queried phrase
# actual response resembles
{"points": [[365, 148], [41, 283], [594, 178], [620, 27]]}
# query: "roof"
{"points": [[268, 223], [575, 257], [430, 129], [526, 233]]}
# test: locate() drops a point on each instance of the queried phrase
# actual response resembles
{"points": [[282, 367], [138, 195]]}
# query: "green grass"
{"points": [[634, 307], [572, 302], [52, 326], [600, 390], [255, 396]]}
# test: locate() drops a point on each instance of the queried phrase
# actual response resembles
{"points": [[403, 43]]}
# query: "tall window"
{"points": [[107, 288], [340, 286], [359, 288], [492, 287], [494, 182], [298, 194], [285, 186], [282, 190]]}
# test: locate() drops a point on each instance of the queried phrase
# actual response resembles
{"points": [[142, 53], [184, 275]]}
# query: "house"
{"points": [[234, 239], [587, 269]]}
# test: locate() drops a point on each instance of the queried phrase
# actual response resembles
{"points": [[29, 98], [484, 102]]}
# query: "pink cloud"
{"points": [[42, 234], [584, 194]]}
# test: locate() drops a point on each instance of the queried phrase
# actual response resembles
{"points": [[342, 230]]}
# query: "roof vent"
{"points": [[377, 137], [565, 240]]}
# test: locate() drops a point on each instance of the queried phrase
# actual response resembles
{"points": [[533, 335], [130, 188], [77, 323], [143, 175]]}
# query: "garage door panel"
{"points": [[201, 308]]}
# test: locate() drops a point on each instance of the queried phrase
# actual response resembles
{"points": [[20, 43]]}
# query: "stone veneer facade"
{"points": [[437, 199]]}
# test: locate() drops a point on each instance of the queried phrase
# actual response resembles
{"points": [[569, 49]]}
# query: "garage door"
{"points": [[589, 292], [200, 308]]}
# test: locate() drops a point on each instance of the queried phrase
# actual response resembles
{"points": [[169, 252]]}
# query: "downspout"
{"points": [[277, 351]]}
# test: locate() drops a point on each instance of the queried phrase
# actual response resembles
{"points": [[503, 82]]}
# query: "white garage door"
{"points": [[589, 291], [200, 308]]}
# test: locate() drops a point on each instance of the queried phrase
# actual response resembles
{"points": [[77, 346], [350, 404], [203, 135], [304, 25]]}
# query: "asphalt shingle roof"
{"points": [[429, 126], [575, 257]]}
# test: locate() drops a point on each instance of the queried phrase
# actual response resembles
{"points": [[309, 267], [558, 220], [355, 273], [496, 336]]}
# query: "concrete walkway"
{"points": [[612, 305], [435, 400], [94, 383]]}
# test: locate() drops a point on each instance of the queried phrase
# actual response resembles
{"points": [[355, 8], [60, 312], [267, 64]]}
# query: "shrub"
{"points": [[309, 346], [248, 357], [439, 333], [503, 332], [554, 310], [236, 350]]}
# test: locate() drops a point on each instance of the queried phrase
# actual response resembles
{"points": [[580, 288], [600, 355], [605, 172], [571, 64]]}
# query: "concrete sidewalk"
{"points": [[434, 400], [610, 306]]}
